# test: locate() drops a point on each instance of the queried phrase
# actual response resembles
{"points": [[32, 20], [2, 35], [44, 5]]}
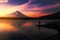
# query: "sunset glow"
{"points": [[7, 27], [36, 12], [6, 9], [33, 12]]}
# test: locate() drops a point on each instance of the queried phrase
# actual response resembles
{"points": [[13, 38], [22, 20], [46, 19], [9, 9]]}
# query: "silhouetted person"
{"points": [[38, 25]]}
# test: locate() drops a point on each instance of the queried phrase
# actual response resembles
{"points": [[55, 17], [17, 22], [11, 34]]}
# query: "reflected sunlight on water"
{"points": [[6, 25]]}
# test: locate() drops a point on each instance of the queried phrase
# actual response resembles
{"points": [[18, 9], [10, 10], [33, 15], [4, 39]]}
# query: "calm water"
{"points": [[23, 30]]}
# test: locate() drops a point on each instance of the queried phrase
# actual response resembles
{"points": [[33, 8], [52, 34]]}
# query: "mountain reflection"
{"points": [[11, 29]]}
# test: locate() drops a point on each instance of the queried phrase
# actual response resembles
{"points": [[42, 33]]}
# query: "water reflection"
{"points": [[9, 30], [18, 29], [7, 25]]}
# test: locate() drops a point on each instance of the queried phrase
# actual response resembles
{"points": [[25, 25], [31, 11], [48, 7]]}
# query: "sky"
{"points": [[38, 7], [31, 8], [42, 2]]}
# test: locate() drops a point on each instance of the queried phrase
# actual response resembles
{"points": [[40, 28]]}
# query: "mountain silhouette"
{"points": [[17, 14], [52, 16]]}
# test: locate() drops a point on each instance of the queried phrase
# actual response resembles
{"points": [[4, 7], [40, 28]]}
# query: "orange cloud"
{"points": [[36, 12]]}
